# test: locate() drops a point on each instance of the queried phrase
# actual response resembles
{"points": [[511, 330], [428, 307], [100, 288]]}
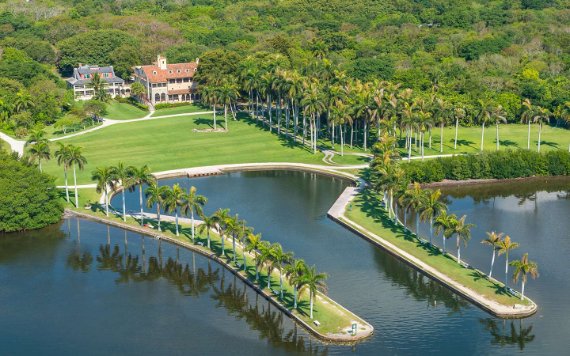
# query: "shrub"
{"points": [[169, 105], [498, 165]]}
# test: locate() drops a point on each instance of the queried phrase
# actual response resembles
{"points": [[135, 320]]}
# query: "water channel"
{"points": [[77, 287]]}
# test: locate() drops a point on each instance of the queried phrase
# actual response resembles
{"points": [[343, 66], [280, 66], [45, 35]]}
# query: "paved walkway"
{"points": [[16, 145]]}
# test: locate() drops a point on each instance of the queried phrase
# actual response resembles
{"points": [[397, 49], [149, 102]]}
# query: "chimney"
{"points": [[161, 62]]}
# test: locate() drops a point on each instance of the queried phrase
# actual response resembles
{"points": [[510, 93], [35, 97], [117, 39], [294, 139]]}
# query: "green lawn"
{"points": [[190, 108], [366, 211], [469, 139], [4, 146], [171, 143], [123, 111]]}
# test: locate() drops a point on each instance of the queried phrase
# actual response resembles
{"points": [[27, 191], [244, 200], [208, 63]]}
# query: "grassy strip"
{"points": [[123, 111], [332, 319], [184, 109], [366, 211]]}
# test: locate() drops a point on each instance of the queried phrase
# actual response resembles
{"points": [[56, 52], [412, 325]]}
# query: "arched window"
{"points": [[156, 97]]}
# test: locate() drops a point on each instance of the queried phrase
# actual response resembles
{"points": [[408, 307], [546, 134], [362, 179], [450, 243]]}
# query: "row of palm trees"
{"points": [[175, 200], [427, 206], [320, 99]]}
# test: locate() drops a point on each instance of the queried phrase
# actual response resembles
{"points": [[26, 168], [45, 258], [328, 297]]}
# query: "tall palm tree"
{"points": [[174, 198], [314, 281], [193, 204], [208, 223], [228, 94], [76, 160], [506, 246], [458, 113], [313, 104], [222, 217], [155, 195], [485, 115], [36, 136], [140, 176], [498, 116], [523, 267], [462, 231], [443, 224], [541, 116], [431, 208], [493, 239], [416, 199], [295, 271], [122, 179], [40, 151], [252, 246], [265, 258], [105, 179], [279, 258], [62, 154], [528, 117], [210, 95]]}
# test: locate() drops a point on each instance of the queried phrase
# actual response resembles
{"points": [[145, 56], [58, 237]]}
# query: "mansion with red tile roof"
{"points": [[166, 82]]}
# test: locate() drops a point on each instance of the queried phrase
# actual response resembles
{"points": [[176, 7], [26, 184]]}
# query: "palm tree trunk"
{"points": [[482, 135], [311, 296], [158, 215], [528, 139], [214, 116], [106, 202], [492, 263], [351, 133], [441, 138], [124, 206], [76, 193], [418, 224], [539, 134], [244, 258], [506, 269], [234, 248], [269, 278], [443, 238], [40, 164], [522, 290], [141, 204], [458, 251], [269, 109], [281, 283], [192, 217], [226, 116], [295, 297], [176, 220], [365, 133], [208, 235], [223, 245], [456, 129], [341, 141], [497, 136], [430, 229]]}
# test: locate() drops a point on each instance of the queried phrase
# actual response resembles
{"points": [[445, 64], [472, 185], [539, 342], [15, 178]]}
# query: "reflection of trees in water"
{"points": [[78, 261], [198, 281], [417, 285], [512, 336]]}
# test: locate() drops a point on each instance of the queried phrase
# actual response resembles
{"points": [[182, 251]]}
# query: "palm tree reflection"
{"points": [[514, 336]]}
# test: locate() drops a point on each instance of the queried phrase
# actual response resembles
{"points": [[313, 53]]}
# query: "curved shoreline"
{"points": [[332, 338], [448, 183]]}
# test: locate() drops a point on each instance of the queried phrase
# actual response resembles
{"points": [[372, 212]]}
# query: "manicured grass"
{"points": [[123, 111], [332, 319], [190, 108], [171, 144], [4, 146], [365, 210]]}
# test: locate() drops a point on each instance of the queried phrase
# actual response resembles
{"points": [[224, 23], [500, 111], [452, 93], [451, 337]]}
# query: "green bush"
{"points": [[28, 198], [492, 165], [169, 105]]}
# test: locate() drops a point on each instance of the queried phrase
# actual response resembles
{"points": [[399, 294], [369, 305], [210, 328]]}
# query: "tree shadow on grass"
{"points": [[548, 143], [508, 143], [202, 121], [285, 139], [463, 142]]}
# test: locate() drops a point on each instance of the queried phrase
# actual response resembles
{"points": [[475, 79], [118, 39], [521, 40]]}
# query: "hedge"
{"points": [[490, 165]]}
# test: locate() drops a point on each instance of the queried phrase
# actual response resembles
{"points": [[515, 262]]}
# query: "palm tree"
{"points": [[122, 178], [314, 281], [313, 104], [174, 198], [253, 244], [265, 258], [459, 113], [76, 159], [528, 117], [62, 154], [505, 246], [279, 258], [104, 178], [210, 95], [140, 176], [193, 204], [493, 239], [40, 150], [541, 115], [155, 195], [463, 233], [221, 217], [444, 223], [295, 271], [416, 199], [498, 116], [431, 208], [208, 223], [36, 136], [228, 94], [523, 267], [23, 101], [485, 115]]}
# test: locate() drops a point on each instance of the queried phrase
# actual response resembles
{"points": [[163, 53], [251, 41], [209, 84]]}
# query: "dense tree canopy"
{"points": [[28, 198]]}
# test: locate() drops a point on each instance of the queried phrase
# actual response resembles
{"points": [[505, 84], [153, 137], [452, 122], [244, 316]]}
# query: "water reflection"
{"points": [[417, 285], [513, 335], [228, 293]]}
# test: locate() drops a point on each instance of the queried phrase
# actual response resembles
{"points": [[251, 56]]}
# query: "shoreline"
{"points": [[330, 338], [337, 214], [469, 182]]}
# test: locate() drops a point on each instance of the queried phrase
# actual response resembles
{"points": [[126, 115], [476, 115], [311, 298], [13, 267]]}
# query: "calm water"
{"points": [[69, 289]]}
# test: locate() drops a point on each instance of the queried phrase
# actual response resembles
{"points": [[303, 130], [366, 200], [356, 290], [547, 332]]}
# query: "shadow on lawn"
{"points": [[370, 203], [507, 143]]}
